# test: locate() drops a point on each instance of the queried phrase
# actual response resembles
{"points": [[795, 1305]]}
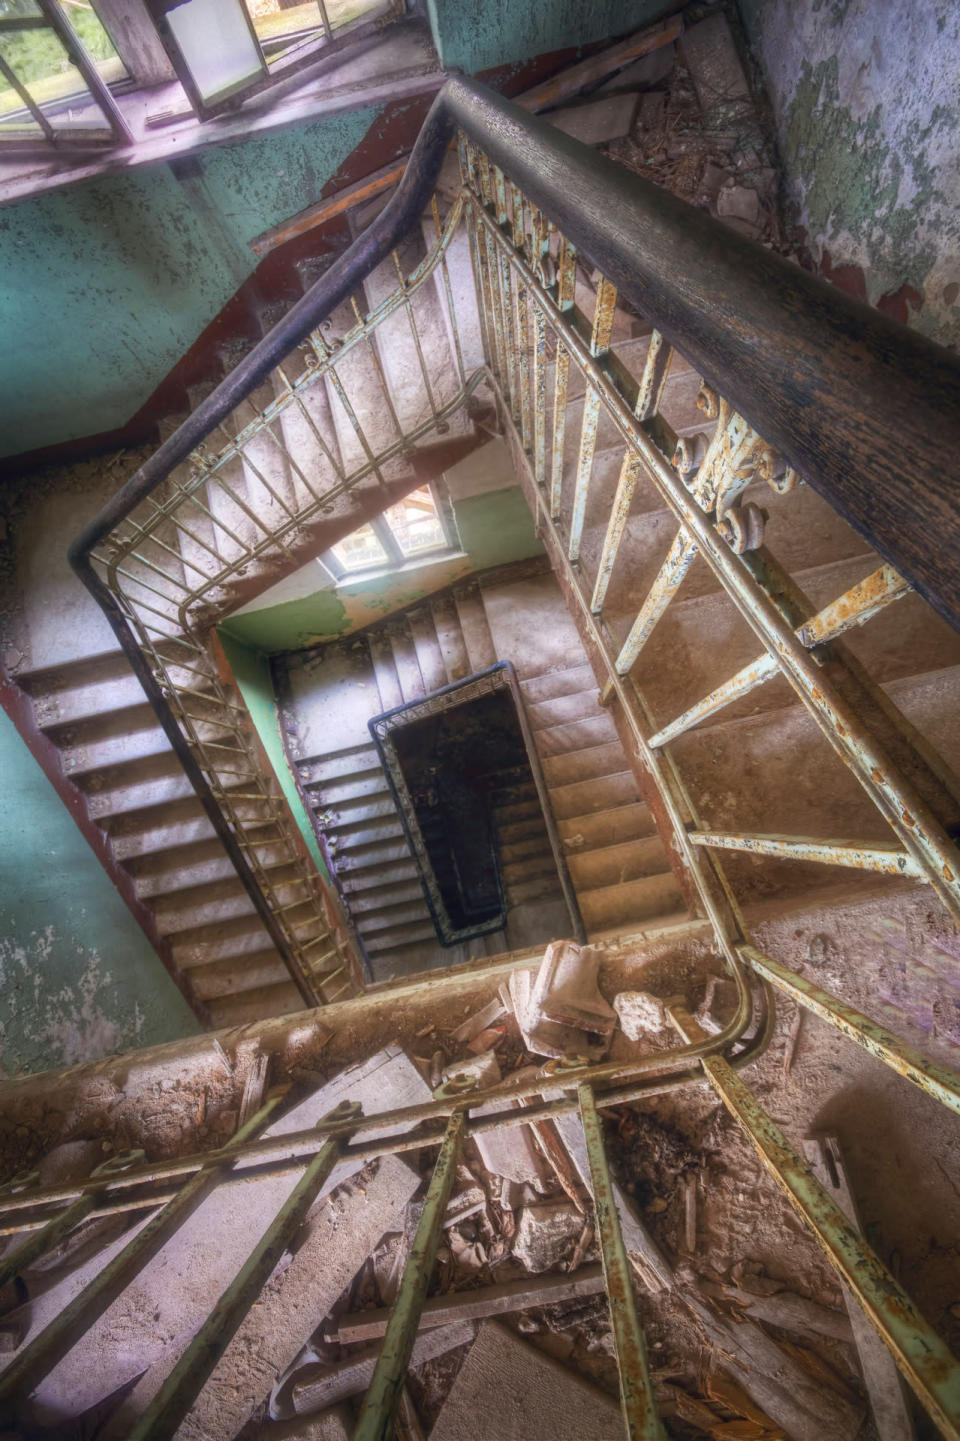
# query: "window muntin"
{"points": [[419, 526]]}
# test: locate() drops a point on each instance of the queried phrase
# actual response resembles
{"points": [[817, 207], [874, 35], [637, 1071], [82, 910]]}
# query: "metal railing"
{"points": [[781, 358]]}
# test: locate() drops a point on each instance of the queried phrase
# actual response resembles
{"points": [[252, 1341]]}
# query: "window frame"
{"points": [[396, 559]]}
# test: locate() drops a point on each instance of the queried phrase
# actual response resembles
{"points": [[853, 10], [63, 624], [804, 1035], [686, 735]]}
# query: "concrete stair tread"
{"points": [[97, 666], [607, 827], [555, 683], [576, 735], [276, 1000], [398, 936], [591, 763], [616, 864], [237, 974], [351, 761], [562, 710], [581, 798], [635, 900], [384, 898]]}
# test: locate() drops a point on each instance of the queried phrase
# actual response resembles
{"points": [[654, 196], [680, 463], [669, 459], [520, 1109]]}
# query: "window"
{"points": [[56, 63], [418, 526], [226, 50]]}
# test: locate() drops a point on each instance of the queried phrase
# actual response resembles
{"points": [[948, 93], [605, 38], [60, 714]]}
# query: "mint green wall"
{"points": [[476, 36], [106, 284], [78, 978], [251, 669]]}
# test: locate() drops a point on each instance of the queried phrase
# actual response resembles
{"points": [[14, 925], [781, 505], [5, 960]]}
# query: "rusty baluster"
{"points": [[884, 857], [679, 560], [380, 1403], [415, 332], [636, 1388], [856, 606], [448, 291], [647, 405], [603, 317], [566, 285], [519, 238], [937, 1080], [377, 364]]}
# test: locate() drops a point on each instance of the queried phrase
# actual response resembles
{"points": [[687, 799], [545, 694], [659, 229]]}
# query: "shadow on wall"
{"points": [[78, 978]]}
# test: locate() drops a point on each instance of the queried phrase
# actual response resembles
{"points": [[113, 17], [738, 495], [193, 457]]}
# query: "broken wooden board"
{"points": [[506, 1389], [165, 1304], [479, 1303], [782, 1389], [884, 1386], [314, 1388]]}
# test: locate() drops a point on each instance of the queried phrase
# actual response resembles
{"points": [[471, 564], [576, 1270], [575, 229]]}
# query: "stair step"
{"points": [[344, 790], [531, 828], [533, 888], [446, 623], [427, 646], [581, 798], [103, 726], [239, 973], [605, 828], [384, 670], [585, 765], [408, 667], [358, 882], [475, 629], [353, 815], [535, 844], [235, 937], [561, 710], [526, 867], [576, 735], [615, 865], [390, 894], [246, 1006], [349, 762], [517, 811], [630, 903], [84, 670], [387, 916], [555, 683], [366, 860], [396, 937], [165, 834], [358, 838]]}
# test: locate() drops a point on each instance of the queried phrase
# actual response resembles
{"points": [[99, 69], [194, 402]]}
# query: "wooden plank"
{"points": [[323, 210], [574, 79], [476, 1304], [560, 87], [885, 1389]]}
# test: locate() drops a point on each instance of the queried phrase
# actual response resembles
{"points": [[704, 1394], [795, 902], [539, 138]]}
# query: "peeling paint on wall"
{"points": [[78, 978], [866, 96], [113, 279]]}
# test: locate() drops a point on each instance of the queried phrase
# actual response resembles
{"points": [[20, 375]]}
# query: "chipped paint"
{"points": [[78, 979], [865, 100], [113, 279]]}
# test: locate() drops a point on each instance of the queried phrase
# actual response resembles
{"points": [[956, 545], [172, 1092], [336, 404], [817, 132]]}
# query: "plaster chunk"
{"points": [[639, 1013], [544, 1234]]}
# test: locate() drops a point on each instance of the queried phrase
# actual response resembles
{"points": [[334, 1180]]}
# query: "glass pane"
{"points": [[415, 523], [86, 25], [215, 40], [42, 65], [359, 550], [273, 20]]}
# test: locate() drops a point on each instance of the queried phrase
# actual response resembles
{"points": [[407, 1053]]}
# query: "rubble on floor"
{"points": [[699, 133]]}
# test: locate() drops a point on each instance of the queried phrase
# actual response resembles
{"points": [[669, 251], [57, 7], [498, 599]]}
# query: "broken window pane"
{"points": [[359, 550], [416, 524]]}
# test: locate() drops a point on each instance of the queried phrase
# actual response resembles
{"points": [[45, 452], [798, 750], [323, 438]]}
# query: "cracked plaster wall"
{"points": [[866, 99], [78, 978]]}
